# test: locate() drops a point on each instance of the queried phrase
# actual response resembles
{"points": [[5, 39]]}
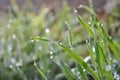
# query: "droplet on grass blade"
{"points": [[75, 10], [47, 30], [31, 40], [89, 23], [51, 55], [81, 6], [10, 66], [93, 48]]}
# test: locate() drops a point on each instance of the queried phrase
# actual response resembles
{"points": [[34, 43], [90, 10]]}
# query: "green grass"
{"points": [[35, 47]]}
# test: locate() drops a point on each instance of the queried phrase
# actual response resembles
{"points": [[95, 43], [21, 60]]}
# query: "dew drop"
{"points": [[75, 10], [110, 37], [86, 41], [66, 22], [81, 6], [10, 66], [47, 30], [73, 48], [89, 23], [32, 41], [51, 53], [51, 57], [93, 49]]}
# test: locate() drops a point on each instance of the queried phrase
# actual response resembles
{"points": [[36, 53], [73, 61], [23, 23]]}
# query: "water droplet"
{"points": [[72, 48], [86, 41], [35, 64], [110, 37], [108, 68], [51, 57], [10, 66], [51, 53], [93, 48], [47, 30], [31, 40], [14, 36], [89, 23], [81, 6], [75, 10]]}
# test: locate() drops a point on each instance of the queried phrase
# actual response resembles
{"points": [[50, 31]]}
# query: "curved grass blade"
{"points": [[79, 60], [82, 72], [66, 71], [42, 74], [113, 45], [86, 26]]}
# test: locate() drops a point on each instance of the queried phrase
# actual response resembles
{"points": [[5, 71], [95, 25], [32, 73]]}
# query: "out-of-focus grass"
{"points": [[18, 48]]}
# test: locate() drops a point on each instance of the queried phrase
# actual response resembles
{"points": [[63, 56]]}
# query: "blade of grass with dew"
{"points": [[98, 59], [78, 65], [92, 55], [40, 71], [75, 56], [82, 72], [86, 26], [79, 60], [112, 44], [70, 37]]}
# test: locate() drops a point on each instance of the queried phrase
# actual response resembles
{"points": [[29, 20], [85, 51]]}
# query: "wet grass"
{"points": [[55, 53]]}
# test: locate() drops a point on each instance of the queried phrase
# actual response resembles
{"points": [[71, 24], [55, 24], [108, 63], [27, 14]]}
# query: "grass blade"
{"points": [[82, 72], [86, 26], [79, 60], [40, 71], [67, 71]]}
